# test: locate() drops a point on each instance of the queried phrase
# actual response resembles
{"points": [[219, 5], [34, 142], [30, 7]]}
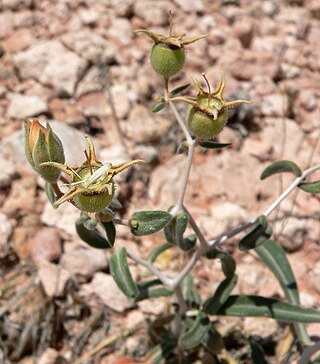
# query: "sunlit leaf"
{"points": [[121, 274], [281, 167], [148, 222], [159, 107], [256, 306], [178, 90], [312, 187], [228, 264]]}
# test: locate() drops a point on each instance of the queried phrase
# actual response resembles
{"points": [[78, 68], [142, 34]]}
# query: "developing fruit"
{"points": [[168, 52], [207, 114], [92, 186]]}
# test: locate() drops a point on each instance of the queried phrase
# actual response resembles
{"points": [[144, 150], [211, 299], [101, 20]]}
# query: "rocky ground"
{"points": [[57, 59]]}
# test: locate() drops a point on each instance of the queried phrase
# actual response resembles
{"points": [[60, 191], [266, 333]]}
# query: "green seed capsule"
{"points": [[203, 125], [93, 202], [167, 60]]}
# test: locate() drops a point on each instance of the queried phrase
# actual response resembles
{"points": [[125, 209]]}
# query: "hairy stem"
{"points": [[182, 310]]}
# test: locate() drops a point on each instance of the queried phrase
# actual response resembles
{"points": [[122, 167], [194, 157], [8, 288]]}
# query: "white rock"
{"points": [[223, 217], [53, 278], [16, 4], [5, 230], [153, 12], [6, 23], [274, 105], [49, 356], [63, 218], [104, 286], [23, 106], [84, 261], [7, 169], [52, 64], [92, 81], [191, 5], [90, 46]]}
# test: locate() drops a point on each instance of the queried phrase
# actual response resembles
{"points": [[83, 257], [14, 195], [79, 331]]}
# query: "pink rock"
{"points": [[84, 261], [51, 63], [48, 357], [104, 286], [53, 279], [46, 245], [6, 24], [19, 40]]}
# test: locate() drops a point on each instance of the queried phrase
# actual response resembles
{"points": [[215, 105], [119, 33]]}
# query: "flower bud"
{"points": [[42, 145]]}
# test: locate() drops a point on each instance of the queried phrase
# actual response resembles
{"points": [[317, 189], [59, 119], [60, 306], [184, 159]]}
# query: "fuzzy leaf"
{"points": [[175, 229], [214, 145], [228, 264], [274, 257], [157, 251], [50, 193], [212, 305], [91, 237], [281, 167], [312, 187], [153, 289], [121, 273], [110, 231], [159, 107], [195, 334], [148, 222], [178, 90], [257, 236], [256, 306], [190, 292], [257, 354]]}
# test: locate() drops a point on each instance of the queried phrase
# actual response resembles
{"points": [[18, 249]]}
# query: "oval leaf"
{"points": [[228, 264], [91, 237], [274, 257], [212, 305], [257, 236], [193, 337], [121, 274], [214, 145], [257, 354], [158, 251], [148, 222], [256, 306], [152, 289], [312, 187], [178, 90], [158, 107], [281, 167], [50, 193], [190, 293], [110, 229]]}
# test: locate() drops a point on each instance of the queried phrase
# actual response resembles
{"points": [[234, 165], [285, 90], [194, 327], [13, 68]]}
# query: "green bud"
{"points": [[42, 145]]}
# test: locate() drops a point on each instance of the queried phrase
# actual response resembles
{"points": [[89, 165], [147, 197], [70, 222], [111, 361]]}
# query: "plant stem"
{"points": [[185, 177], [196, 229], [180, 121], [182, 310], [164, 279], [308, 352], [56, 189]]}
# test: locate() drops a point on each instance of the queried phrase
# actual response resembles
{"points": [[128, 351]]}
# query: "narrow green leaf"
{"points": [[194, 336], [178, 90], [257, 353], [256, 306], [158, 250], [257, 236], [50, 193], [212, 304], [90, 224], [214, 145], [281, 167], [175, 229], [158, 107], [110, 229], [213, 341], [274, 257], [152, 289], [115, 203], [190, 293], [312, 187], [183, 147], [121, 274], [228, 264], [148, 222], [91, 237]]}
